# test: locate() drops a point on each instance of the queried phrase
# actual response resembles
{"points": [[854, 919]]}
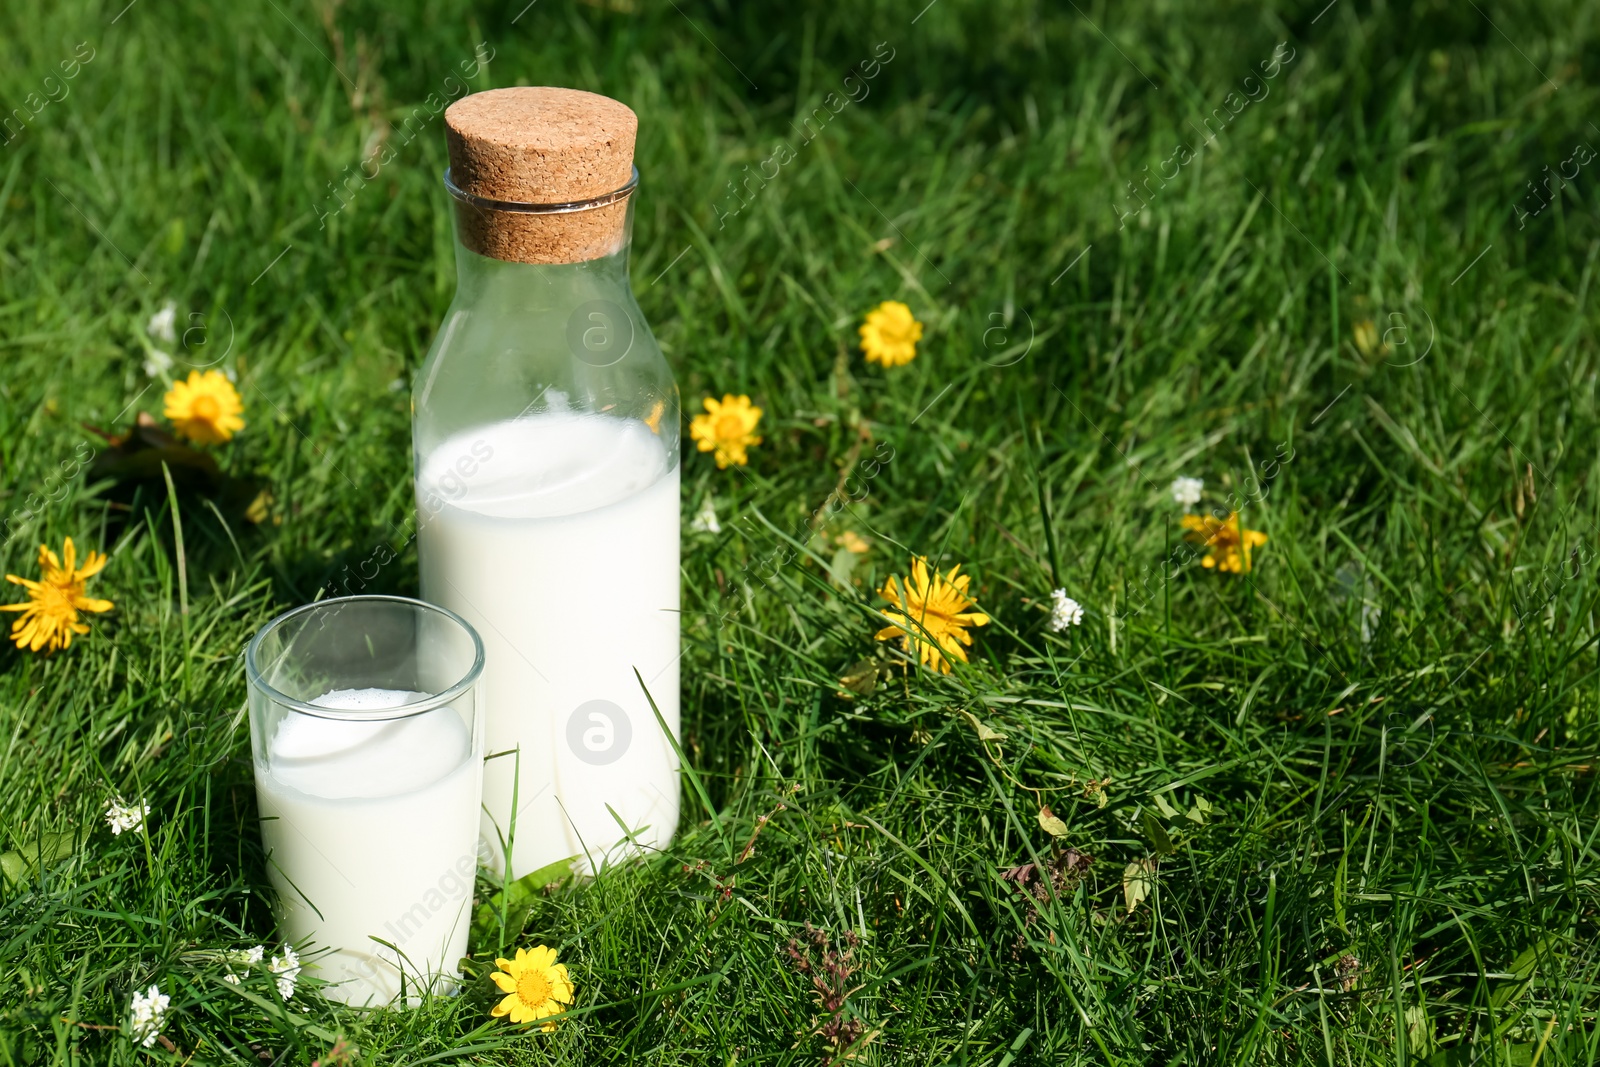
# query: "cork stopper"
{"points": [[539, 145]]}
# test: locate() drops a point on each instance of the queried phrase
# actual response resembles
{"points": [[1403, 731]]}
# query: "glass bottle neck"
{"points": [[503, 241], [479, 277], [563, 336]]}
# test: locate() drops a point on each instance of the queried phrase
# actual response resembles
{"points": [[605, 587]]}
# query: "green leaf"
{"points": [[1528, 959], [842, 566], [520, 892], [1522, 968], [1049, 823], [1156, 833], [1138, 879], [48, 850], [1340, 878], [1167, 810], [984, 732], [862, 677], [1419, 1029]]}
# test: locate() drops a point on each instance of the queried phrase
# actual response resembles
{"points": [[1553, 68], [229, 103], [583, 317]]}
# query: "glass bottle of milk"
{"points": [[545, 427]]}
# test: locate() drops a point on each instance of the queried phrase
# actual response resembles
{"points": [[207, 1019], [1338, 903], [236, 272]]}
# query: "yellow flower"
{"points": [[261, 508], [890, 334], [1230, 544], [50, 615], [536, 986], [1365, 335], [206, 408], [854, 542], [728, 428], [933, 616]]}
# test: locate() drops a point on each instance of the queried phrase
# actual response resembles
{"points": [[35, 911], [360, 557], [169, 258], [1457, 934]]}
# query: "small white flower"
{"points": [[157, 363], [148, 1012], [1371, 613], [287, 968], [705, 520], [1064, 611], [123, 817], [163, 324], [246, 958], [1186, 491]]}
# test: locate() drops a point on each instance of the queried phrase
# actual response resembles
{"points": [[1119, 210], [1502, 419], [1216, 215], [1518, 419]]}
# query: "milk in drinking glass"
{"points": [[366, 733]]}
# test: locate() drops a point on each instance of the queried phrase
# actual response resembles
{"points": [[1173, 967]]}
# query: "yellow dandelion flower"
{"points": [[260, 509], [932, 613], [1229, 543], [206, 408], [890, 334], [535, 985], [854, 542], [1365, 335], [50, 614], [727, 428]]}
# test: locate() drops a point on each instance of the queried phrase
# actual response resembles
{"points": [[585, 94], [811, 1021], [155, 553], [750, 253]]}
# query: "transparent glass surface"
{"points": [[546, 437], [367, 736], [524, 338]]}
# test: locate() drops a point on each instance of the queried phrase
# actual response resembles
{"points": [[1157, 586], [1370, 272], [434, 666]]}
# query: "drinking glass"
{"points": [[367, 737]]}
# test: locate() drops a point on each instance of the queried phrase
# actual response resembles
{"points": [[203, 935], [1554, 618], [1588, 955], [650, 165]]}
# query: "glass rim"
{"points": [[487, 204], [254, 677]]}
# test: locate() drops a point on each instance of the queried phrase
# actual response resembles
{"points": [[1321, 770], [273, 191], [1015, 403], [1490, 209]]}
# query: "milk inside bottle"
{"points": [[545, 424]]}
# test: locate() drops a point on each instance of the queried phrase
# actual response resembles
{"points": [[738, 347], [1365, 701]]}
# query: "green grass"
{"points": [[1394, 718]]}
